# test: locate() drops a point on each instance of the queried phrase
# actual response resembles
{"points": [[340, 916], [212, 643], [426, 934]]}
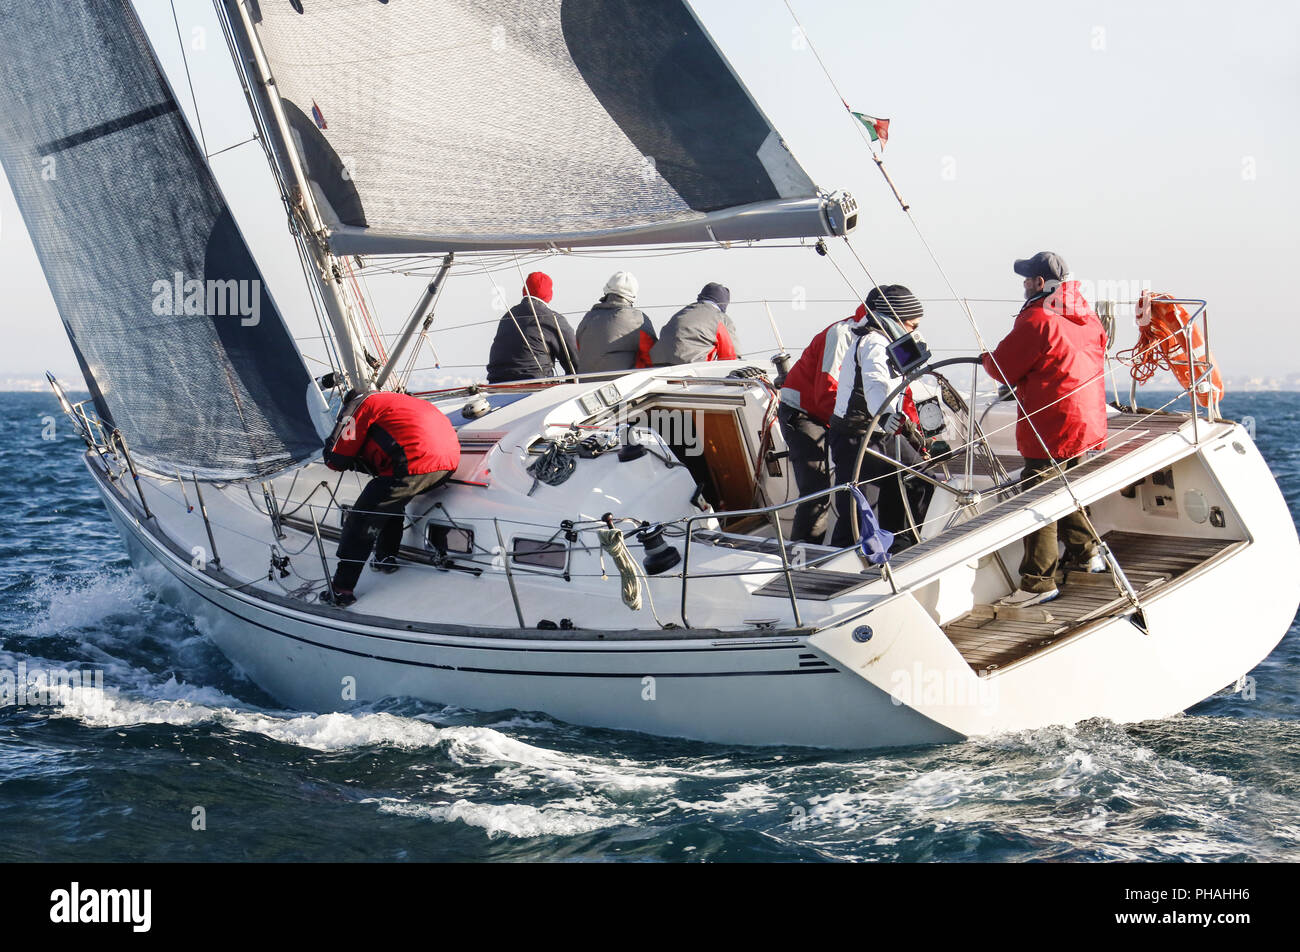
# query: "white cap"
{"points": [[623, 283]]}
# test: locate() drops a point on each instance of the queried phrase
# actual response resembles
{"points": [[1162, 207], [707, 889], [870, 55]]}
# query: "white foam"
{"points": [[525, 765], [335, 731], [85, 603], [565, 818], [744, 798]]}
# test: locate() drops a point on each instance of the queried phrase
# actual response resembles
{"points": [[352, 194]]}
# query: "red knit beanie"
{"points": [[539, 285]]}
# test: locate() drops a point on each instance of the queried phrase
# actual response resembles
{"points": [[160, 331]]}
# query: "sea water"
{"points": [[182, 758]]}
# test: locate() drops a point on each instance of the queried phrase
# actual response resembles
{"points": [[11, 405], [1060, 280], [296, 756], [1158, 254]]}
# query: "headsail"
{"points": [[468, 124], [181, 345]]}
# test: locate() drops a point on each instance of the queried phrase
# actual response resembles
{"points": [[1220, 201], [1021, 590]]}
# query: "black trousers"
{"points": [[889, 505], [374, 523], [806, 440]]}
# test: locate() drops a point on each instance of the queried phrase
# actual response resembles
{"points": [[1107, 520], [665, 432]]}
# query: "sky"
{"points": [[1151, 144]]}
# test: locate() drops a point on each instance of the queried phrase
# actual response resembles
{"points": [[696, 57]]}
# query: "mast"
{"points": [[295, 189]]}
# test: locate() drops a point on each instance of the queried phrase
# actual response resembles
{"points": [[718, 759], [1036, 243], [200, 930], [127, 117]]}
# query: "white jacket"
{"points": [[868, 352]]}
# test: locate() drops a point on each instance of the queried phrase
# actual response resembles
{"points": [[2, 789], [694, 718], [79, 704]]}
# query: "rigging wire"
{"points": [[364, 309], [366, 295], [413, 265], [581, 524], [571, 364], [311, 276], [198, 119], [230, 148], [511, 312], [409, 367]]}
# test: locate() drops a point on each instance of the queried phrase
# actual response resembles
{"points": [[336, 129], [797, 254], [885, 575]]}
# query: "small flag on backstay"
{"points": [[320, 116], [878, 129]]}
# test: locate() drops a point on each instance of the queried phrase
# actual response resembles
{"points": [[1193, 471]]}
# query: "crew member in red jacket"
{"points": [[1054, 358], [807, 402], [408, 446]]}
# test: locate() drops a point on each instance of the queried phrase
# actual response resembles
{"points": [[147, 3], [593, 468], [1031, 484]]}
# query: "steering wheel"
{"points": [[926, 465]]}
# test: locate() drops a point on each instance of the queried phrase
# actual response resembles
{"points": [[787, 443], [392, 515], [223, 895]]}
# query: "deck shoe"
{"points": [[388, 564], [1022, 599], [1094, 564], [339, 598]]}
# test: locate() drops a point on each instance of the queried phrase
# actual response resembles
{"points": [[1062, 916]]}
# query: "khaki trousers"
{"points": [[1042, 559]]}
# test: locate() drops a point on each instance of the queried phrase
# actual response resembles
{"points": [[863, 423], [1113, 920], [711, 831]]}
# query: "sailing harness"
{"points": [[858, 416]]}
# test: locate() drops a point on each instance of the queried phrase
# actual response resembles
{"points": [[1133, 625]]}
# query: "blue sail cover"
{"points": [[471, 124], [181, 345]]}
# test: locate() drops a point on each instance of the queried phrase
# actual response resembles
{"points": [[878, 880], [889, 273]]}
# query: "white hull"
{"points": [[817, 686], [763, 690]]}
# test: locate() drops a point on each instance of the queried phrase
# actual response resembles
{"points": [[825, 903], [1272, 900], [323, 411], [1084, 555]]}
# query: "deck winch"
{"points": [[659, 555]]}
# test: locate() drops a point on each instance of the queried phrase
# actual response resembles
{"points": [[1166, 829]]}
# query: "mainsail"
{"points": [[475, 124], [181, 345]]}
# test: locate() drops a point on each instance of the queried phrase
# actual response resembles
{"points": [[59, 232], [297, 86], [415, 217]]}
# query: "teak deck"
{"points": [[988, 641], [1127, 432]]}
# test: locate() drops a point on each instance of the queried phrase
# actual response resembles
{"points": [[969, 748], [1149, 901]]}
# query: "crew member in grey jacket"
{"points": [[615, 335], [699, 331]]}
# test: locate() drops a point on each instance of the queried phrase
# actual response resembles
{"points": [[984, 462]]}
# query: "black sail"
{"points": [[181, 344]]}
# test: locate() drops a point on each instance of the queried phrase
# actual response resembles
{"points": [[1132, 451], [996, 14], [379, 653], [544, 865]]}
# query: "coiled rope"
{"points": [[554, 466]]}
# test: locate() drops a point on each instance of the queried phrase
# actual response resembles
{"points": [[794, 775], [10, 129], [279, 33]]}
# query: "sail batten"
{"points": [[171, 322], [479, 124]]}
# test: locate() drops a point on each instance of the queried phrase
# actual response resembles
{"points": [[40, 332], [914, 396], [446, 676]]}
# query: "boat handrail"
{"points": [[687, 524], [94, 433]]}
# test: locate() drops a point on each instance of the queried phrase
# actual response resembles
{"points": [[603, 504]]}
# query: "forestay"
{"points": [[180, 343], [467, 124]]}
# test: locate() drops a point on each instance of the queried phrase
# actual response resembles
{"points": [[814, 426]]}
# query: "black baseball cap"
{"points": [[1046, 264]]}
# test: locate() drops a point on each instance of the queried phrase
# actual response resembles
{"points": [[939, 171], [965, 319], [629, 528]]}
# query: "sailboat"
{"points": [[647, 583]]}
